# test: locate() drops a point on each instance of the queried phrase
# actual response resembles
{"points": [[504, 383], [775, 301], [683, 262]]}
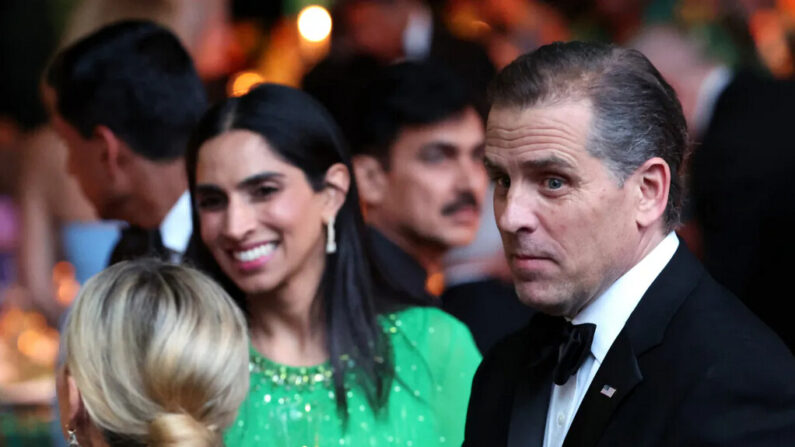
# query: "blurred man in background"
{"points": [[419, 163], [125, 100]]}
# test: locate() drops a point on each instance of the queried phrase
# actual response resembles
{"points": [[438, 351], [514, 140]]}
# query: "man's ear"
{"points": [[653, 183], [111, 148], [371, 177], [338, 183]]}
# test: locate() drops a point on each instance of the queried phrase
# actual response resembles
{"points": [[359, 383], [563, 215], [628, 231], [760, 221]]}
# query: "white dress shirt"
{"points": [[177, 226], [610, 312]]}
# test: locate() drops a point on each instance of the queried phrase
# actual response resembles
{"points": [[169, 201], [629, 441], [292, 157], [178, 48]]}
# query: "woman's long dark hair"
{"points": [[302, 133]]}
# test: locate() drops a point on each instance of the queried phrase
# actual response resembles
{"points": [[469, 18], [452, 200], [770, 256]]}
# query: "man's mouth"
{"points": [[465, 204]]}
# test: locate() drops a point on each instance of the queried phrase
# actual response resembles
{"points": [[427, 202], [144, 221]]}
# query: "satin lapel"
{"points": [[617, 376], [620, 373], [534, 384], [530, 405]]}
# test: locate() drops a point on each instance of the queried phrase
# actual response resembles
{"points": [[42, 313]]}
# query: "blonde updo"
{"points": [[178, 430], [159, 353]]}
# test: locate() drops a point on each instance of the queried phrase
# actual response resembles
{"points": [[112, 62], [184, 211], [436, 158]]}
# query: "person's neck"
{"points": [[647, 241], [288, 323], [90, 435], [159, 188], [428, 254]]}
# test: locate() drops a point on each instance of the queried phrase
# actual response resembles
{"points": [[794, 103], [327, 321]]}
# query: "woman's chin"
{"points": [[255, 285]]}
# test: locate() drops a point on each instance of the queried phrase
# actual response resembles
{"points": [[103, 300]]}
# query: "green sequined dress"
{"points": [[435, 360]]}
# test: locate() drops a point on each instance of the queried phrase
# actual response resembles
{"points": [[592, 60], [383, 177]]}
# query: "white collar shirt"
{"points": [[610, 312], [177, 226]]}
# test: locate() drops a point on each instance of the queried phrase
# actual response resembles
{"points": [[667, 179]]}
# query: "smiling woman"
{"points": [[332, 361]]}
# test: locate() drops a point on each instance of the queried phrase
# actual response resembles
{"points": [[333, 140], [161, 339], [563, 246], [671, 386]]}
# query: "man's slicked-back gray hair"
{"points": [[637, 115]]}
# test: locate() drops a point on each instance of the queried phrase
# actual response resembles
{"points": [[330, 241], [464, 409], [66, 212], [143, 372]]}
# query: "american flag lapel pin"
{"points": [[608, 391]]}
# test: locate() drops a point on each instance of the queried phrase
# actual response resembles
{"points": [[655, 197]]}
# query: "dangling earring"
{"points": [[331, 243], [72, 438]]}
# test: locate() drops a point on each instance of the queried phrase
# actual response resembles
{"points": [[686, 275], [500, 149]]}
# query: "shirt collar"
{"points": [[177, 226], [611, 310], [399, 265]]}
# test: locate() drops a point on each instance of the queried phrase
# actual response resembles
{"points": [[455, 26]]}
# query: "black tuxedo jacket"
{"points": [[692, 367]]}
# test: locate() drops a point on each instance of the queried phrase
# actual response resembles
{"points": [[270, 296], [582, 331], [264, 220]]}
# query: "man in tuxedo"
{"points": [[635, 344], [124, 100]]}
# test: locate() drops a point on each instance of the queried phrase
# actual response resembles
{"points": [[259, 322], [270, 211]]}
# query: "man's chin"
{"points": [[456, 236], [542, 300], [112, 212], [121, 209]]}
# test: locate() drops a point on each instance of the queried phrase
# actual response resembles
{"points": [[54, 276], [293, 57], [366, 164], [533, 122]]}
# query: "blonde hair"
{"points": [[159, 353]]}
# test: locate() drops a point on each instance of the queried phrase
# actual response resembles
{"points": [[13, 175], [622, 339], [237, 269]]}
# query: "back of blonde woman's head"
{"points": [[159, 353]]}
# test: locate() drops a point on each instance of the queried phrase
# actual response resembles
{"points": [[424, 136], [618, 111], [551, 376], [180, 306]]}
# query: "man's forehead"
{"points": [[562, 112], [466, 128], [562, 127]]}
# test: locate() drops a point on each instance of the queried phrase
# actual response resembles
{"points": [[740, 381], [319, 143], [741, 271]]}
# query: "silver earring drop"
{"points": [[72, 438], [331, 243]]}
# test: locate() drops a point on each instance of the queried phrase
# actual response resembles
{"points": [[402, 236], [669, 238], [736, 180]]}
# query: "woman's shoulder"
{"points": [[421, 326], [431, 349], [421, 318]]}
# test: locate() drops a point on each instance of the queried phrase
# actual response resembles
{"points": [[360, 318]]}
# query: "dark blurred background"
{"points": [[239, 43]]}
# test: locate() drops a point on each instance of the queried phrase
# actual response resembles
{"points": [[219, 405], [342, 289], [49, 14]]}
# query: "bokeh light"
{"points": [[314, 23], [242, 82]]}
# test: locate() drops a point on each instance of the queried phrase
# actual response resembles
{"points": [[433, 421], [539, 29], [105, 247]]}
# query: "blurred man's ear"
{"points": [[371, 178], [111, 148]]}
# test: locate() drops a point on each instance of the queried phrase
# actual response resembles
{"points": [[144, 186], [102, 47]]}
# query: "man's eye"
{"points": [[432, 156], [503, 181], [479, 155], [554, 183]]}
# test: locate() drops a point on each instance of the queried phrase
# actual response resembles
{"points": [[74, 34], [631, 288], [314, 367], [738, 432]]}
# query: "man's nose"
{"points": [[516, 211], [471, 177]]}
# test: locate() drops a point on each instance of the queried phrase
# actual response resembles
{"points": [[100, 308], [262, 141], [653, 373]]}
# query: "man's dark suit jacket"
{"points": [[692, 367], [744, 195]]}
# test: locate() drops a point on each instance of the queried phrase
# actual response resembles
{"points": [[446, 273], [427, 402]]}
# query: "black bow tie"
{"points": [[575, 345]]}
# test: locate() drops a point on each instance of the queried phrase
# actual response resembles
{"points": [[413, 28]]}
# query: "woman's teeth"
{"points": [[255, 253]]}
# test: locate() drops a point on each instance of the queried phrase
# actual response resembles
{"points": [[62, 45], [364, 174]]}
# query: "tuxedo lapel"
{"points": [[617, 376], [531, 402], [534, 386], [619, 373]]}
